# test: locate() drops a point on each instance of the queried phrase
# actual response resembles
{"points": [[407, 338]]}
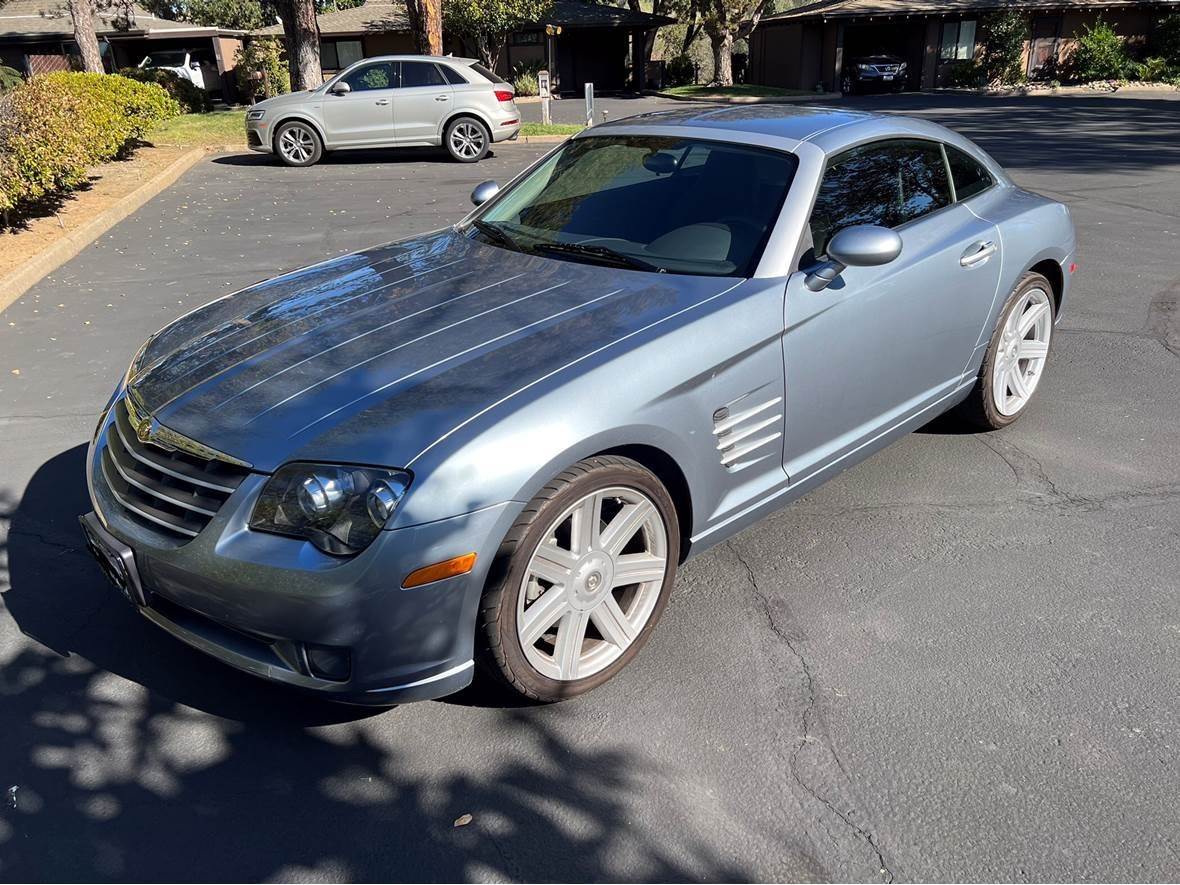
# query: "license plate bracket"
{"points": [[115, 559]]}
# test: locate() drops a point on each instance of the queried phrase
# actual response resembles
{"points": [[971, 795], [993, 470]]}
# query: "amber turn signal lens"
{"points": [[460, 565]]}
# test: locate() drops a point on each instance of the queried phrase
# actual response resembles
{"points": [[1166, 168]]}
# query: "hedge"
{"points": [[192, 98], [56, 126]]}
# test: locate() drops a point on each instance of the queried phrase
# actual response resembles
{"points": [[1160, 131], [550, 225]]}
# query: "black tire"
{"points": [[500, 652], [979, 409], [467, 140], [311, 147]]}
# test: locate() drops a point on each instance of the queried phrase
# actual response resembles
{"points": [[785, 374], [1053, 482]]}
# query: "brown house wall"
{"points": [[798, 54]]}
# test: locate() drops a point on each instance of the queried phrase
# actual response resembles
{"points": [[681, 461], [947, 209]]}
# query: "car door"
{"points": [[881, 344], [363, 115], [422, 103]]}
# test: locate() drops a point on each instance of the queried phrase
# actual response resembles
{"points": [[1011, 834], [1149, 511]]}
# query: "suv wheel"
{"points": [[581, 580], [298, 144], [467, 139]]}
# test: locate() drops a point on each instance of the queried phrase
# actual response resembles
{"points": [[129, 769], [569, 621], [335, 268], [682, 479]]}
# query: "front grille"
{"points": [[886, 69], [161, 489]]}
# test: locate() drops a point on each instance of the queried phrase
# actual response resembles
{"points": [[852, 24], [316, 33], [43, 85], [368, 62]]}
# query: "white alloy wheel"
{"points": [[592, 583], [1023, 348], [467, 140], [297, 144]]}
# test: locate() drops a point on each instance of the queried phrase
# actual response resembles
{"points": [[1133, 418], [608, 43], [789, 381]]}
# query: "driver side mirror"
{"points": [[862, 245], [195, 65], [341, 88], [484, 191]]}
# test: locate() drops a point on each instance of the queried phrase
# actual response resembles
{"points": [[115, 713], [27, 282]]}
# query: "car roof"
{"points": [[456, 59], [785, 121]]}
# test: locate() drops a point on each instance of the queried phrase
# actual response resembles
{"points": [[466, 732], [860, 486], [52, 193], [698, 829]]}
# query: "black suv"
{"points": [[873, 72]]}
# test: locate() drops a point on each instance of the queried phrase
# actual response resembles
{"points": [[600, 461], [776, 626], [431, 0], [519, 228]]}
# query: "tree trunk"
{"points": [[82, 12], [722, 42], [432, 26], [303, 43]]}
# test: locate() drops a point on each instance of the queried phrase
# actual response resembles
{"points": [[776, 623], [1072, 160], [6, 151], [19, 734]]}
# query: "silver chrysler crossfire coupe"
{"points": [[494, 443]]}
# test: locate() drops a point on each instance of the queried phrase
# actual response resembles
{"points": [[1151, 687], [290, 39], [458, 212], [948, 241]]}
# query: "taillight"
{"points": [[503, 95]]}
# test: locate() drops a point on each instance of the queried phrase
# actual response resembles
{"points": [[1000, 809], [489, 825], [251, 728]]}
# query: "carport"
{"points": [[903, 38]]}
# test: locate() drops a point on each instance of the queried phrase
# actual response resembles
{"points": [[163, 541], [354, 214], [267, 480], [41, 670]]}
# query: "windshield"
{"points": [[173, 59], [676, 205]]}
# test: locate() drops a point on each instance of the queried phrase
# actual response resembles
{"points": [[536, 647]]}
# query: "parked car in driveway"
{"points": [[184, 63], [496, 442], [390, 101], [881, 72]]}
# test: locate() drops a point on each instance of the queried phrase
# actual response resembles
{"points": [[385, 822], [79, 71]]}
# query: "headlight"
{"points": [[864, 69], [255, 115], [339, 509], [901, 68]]}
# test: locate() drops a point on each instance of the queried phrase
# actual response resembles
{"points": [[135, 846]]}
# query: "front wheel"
{"points": [[1016, 357], [298, 144], [581, 580], [467, 140]]}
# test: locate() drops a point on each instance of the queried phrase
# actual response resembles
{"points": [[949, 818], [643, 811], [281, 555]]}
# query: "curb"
{"points": [[751, 99], [19, 281], [537, 139]]}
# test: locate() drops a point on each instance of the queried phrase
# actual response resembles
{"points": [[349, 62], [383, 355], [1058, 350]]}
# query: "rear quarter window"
{"points": [[486, 74], [968, 174]]}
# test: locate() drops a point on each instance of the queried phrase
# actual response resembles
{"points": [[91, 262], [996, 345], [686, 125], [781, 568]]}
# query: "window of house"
{"points": [[958, 41], [886, 183], [335, 55], [969, 176], [525, 38], [421, 73], [379, 75]]}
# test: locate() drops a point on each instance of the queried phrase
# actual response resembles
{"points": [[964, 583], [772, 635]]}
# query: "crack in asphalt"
{"points": [[809, 714]]}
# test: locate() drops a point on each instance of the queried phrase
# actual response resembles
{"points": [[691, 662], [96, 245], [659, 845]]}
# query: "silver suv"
{"points": [[390, 101]]}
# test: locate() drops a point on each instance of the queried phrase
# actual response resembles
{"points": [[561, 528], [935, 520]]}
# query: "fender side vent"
{"points": [[745, 430]]}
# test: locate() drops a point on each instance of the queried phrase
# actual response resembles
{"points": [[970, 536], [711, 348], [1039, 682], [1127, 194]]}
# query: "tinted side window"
{"points": [[453, 76], [421, 73], [969, 176], [886, 183], [375, 76]]}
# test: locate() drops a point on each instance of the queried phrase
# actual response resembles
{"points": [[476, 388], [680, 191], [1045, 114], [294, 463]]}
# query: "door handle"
{"points": [[442, 98], [977, 253], [381, 102]]}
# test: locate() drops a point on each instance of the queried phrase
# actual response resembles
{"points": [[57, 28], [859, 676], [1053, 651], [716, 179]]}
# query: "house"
{"points": [[582, 41], [807, 47], [37, 37]]}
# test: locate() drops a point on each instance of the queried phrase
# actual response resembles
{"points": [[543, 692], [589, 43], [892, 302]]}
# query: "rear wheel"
{"points": [[467, 139], [298, 144], [1016, 357], [583, 578]]}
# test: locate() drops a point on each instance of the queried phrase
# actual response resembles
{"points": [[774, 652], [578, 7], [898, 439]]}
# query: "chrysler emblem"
{"points": [[144, 430]]}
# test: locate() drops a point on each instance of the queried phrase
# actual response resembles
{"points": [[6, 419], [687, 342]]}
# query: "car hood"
{"points": [[371, 357], [278, 101]]}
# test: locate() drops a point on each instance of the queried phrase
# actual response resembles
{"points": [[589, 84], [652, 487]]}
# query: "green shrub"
{"points": [[10, 78], [262, 70], [524, 76], [192, 99], [1006, 33], [680, 71], [967, 75], [54, 127], [1101, 54], [1151, 70]]}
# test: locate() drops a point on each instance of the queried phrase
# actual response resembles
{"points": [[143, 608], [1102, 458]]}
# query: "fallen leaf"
{"points": [[16, 371], [463, 820]]}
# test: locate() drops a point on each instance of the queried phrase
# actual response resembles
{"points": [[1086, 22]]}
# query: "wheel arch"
{"points": [[302, 118], [463, 112], [670, 474], [1051, 270]]}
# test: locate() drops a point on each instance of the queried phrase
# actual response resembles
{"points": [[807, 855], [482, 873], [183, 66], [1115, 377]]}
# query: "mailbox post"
{"points": [[589, 104], [545, 93]]}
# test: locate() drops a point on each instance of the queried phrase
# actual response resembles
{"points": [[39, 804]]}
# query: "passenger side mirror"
{"points": [[341, 88], [195, 65], [484, 191], [862, 245]]}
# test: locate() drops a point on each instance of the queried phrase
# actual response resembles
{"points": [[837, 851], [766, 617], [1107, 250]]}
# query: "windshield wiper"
{"points": [[496, 234], [601, 254]]}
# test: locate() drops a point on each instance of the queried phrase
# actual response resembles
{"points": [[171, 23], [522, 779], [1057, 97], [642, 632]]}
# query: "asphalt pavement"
{"points": [[957, 661]]}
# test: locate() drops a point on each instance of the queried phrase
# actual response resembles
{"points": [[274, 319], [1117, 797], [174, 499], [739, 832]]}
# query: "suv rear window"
{"points": [[453, 76], [486, 74]]}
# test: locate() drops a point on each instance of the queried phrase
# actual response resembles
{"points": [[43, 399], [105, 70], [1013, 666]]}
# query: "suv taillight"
{"points": [[503, 95]]}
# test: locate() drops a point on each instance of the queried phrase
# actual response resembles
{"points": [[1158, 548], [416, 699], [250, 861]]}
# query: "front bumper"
{"points": [[258, 136], [263, 603]]}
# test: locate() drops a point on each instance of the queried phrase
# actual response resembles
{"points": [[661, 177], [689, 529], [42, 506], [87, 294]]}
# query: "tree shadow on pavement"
{"points": [[127, 756]]}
